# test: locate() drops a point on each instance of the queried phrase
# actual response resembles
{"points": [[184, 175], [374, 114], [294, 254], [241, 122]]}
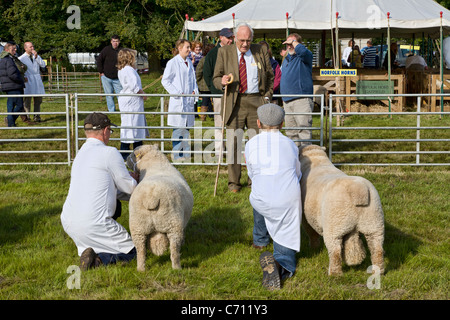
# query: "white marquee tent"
{"points": [[310, 18]]}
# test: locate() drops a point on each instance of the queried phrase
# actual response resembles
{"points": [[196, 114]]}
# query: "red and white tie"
{"points": [[242, 75]]}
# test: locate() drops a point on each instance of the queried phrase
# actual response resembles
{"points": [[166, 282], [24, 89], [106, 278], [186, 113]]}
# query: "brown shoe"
{"points": [[88, 259], [29, 122]]}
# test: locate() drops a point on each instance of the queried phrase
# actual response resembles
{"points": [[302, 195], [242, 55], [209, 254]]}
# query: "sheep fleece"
{"points": [[340, 207], [160, 206]]}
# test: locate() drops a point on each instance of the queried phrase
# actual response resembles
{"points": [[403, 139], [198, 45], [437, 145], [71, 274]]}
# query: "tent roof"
{"points": [[362, 18]]}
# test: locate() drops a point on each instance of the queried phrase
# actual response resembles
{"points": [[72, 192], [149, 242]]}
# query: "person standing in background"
{"points": [[296, 78], [179, 78], [13, 82], [34, 85], [107, 67], [131, 83], [252, 86]]}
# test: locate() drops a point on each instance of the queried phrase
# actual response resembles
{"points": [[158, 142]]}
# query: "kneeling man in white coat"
{"points": [[99, 178], [273, 165]]}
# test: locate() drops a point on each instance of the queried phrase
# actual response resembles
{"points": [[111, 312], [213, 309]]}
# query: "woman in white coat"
{"points": [[179, 78], [131, 83]]}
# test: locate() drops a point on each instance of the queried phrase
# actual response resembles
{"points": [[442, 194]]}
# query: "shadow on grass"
{"points": [[210, 233], [398, 246], [16, 226]]}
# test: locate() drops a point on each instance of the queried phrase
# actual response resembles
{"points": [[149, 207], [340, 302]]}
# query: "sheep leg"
{"points": [[139, 242], [314, 237], [175, 239], [334, 247], [375, 244]]}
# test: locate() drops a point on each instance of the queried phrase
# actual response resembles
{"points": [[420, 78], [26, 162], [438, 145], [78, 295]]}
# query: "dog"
{"points": [[160, 206], [340, 207]]}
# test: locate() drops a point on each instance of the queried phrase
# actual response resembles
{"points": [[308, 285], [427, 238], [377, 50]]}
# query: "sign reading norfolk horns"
{"points": [[338, 72]]}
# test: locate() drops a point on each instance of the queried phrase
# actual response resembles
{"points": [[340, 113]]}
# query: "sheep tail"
{"points": [[158, 243], [359, 193], [354, 251]]}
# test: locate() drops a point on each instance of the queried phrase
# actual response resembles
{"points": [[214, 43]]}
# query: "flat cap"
{"points": [[270, 114]]}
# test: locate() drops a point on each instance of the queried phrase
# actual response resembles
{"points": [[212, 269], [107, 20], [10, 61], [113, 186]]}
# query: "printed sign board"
{"points": [[374, 87]]}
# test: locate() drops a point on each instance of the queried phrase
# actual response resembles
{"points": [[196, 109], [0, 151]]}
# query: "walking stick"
{"points": [[223, 126]]}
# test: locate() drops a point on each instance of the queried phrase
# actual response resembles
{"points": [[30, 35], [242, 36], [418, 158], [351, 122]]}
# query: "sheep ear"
{"points": [[323, 148]]}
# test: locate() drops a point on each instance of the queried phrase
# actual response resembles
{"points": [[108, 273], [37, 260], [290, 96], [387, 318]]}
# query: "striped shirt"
{"points": [[370, 55]]}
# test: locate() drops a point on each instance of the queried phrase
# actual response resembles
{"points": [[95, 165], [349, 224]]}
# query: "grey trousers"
{"points": [[299, 136], [37, 105]]}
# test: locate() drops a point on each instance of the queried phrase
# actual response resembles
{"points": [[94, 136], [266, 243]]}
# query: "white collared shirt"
{"points": [[252, 71]]}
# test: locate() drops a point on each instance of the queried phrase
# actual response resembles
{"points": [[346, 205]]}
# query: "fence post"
{"points": [[76, 122], [162, 123], [321, 118], [418, 131], [330, 139], [68, 129]]}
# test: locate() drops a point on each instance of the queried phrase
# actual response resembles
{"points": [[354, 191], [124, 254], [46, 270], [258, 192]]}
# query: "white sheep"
{"points": [[160, 206], [340, 207]]}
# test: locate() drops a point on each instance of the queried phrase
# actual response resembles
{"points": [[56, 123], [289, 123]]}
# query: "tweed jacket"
{"points": [[227, 62]]}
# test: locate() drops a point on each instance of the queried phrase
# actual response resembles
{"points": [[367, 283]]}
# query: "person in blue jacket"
{"points": [[296, 78]]}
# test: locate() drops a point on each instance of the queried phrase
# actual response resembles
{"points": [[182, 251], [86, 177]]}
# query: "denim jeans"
{"points": [[111, 86], [284, 256], [179, 145], [14, 105], [110, 258]]}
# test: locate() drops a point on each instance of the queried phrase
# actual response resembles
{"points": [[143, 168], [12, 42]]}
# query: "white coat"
{"points": [[34, 84], [180, 79], [98, 173], [131, 83], [273, 165]]}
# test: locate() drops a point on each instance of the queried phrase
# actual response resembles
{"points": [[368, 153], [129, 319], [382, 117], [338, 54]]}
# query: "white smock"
{"points": [[180, 79], [34, 84], [131, 83], [274, 168], [98, 173]]}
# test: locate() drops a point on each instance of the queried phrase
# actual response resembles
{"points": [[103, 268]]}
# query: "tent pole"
{"points": [[442, 70], [338, 58], [338, 66], [287, 25], [389, 59], [324, 37], [187, 30]]}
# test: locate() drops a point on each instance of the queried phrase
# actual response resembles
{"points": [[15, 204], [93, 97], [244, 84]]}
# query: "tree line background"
{"points": [[150, 26]]}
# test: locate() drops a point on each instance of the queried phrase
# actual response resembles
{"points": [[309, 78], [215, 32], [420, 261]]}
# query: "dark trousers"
{"points": [[126, 146], [14, 105], [110, 258]]}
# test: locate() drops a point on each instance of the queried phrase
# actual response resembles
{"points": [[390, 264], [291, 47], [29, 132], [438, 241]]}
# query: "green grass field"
{"points": [[217, 259]]}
